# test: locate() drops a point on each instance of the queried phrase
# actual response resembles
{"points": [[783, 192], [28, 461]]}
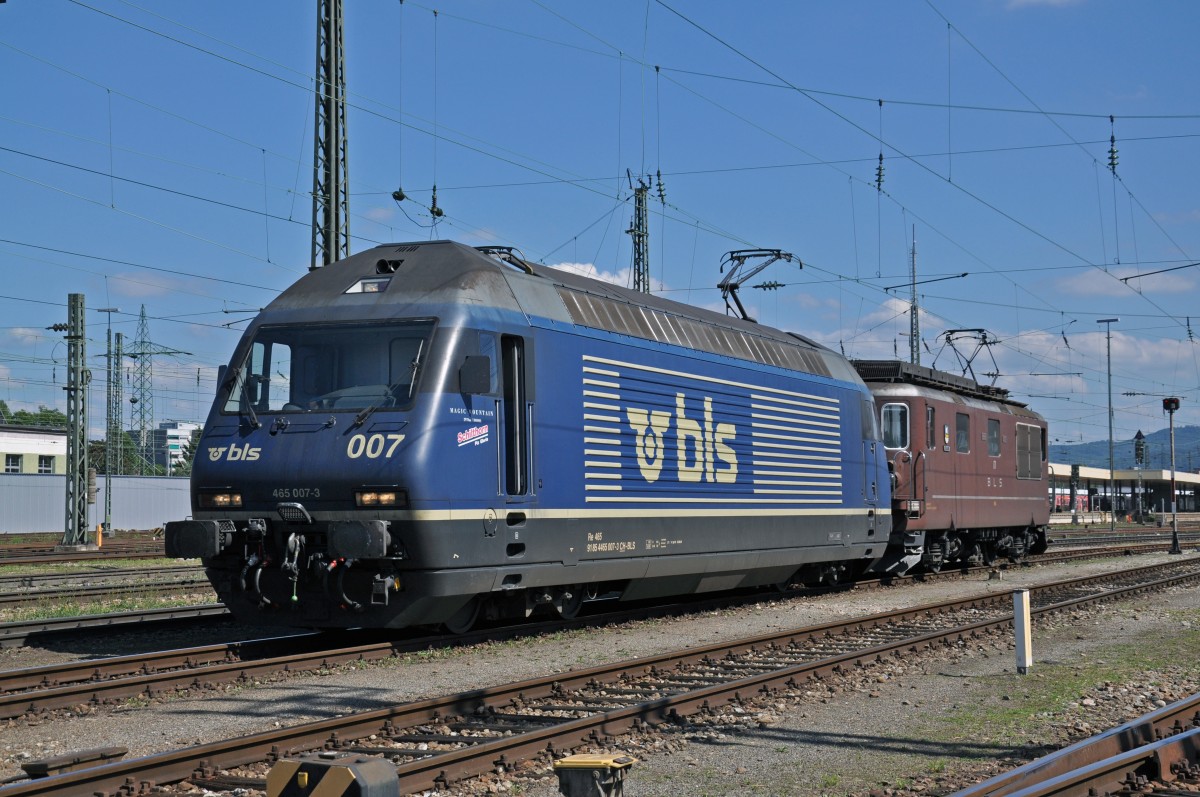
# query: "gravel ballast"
{"points": [[920, 726]]}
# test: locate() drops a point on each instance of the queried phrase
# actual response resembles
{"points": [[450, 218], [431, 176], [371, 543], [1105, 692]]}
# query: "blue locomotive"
{"points": [[425, 432]]}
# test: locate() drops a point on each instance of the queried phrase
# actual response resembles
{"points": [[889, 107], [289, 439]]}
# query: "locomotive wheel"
{"points": [[570, 602], [954, 548], [935, 555], [464, 619]]}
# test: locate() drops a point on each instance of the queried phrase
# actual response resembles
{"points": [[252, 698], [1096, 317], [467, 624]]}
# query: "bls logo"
{"points": [[698, 444], [244, 453]]}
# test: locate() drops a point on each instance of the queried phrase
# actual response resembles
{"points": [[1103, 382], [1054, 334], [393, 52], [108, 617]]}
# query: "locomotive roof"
{"points": [[447, 272], [900, 372]]}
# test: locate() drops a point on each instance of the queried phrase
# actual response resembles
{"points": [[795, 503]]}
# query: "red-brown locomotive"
{"points": [[968, 465]]}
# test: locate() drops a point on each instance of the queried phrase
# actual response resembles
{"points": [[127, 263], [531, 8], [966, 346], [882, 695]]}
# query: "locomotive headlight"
{"points": [[220, 500], [380, 497]]}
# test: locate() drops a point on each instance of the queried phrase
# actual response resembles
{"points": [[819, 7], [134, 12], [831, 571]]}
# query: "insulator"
{"points": [[434, 210], [879, 174]]}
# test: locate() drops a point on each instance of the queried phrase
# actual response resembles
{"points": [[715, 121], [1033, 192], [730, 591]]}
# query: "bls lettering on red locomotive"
{"points": [[701, 445]]}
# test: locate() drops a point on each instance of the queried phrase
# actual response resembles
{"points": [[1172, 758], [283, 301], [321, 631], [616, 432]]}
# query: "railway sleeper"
{"points": [[437, 738], [69, 762], [227, 783]]}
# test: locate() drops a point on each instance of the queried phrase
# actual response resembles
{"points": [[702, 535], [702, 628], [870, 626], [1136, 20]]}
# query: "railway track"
{"points": [[27, 581], [16, 634], [438, 741], [45, 553], [1151, 753], [86, 593], [30, 692]]}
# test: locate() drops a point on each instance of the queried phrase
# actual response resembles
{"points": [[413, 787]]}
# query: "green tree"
{"points": [[44, 417], [127, 459]]}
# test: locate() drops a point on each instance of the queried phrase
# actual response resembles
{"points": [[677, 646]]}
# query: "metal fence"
{"points": [[32, 503]]}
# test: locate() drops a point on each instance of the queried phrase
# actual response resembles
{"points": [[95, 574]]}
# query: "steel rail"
{"points": [[17, 633], [1129, 772], [31, 580], [84, 593], [35, 690], [1168, 721], [70, 558], [449, 766], [93, 671]]}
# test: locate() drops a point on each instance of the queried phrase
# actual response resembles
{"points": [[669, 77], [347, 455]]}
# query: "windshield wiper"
{"points": [[245, 395], [391, 389]]}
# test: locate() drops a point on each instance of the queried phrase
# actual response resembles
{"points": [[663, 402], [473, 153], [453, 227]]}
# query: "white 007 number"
{"points": [[373, 446]]}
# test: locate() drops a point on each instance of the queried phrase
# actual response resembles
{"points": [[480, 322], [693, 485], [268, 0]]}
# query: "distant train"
{"points": [[426, 433]]}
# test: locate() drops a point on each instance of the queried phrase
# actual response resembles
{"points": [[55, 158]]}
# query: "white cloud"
{"points": [[26, 335], [624, 277], [1091, 283]]}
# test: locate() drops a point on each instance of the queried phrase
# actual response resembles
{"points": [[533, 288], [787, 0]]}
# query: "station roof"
{"points": [[1060, 471]]}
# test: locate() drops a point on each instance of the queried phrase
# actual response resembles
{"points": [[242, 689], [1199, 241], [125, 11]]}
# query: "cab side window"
{"points": [[894, 419], [993, 437], [962, 433]]}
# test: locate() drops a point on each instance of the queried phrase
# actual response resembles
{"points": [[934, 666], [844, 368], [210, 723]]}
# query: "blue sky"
{"points": [[160, 154]]}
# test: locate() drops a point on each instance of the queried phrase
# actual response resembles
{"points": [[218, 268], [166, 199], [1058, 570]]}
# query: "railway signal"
{"points": [[1170, 405]]}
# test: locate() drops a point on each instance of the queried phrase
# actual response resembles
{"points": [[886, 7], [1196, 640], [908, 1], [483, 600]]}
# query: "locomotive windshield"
{"points": [[328, 367]]}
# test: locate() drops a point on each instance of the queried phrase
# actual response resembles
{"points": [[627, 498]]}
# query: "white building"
{"points": [[33, 449], [169, 440]]}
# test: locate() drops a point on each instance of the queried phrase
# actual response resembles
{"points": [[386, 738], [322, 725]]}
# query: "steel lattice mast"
{"points": [[914, 315], [143, 391], [143, 352], [639, 231], [331, 189], [78, 377], [117, 397]]}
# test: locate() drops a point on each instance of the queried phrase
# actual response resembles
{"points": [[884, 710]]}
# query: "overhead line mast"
{"points": [[143, 352], [914, 324], [640, 232], [78, 377], [331, 187]]}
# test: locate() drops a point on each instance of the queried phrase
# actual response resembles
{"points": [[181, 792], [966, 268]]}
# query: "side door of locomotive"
{"points": [[965, 472], [874, 455], [515, 413]]}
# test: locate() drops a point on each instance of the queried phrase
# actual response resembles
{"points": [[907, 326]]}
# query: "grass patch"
{"points": [[1005, 708], [100, 567], [134, 603]]}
